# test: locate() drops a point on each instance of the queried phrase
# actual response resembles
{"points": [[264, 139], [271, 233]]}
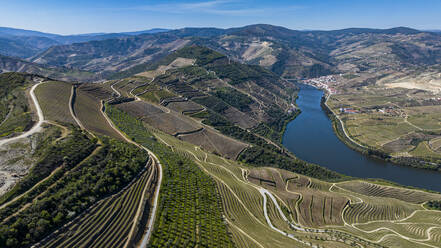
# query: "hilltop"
{"points": [[289, 53], [174, 138], [26, 43]]}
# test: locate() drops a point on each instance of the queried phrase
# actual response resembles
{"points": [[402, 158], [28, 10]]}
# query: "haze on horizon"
{"points": [[81, 16]]}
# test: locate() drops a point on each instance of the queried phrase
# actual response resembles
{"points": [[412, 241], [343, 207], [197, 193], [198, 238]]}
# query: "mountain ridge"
{"points": [[26, 43], [289, 53]]}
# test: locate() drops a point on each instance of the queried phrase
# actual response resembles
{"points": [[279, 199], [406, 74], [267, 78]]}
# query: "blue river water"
{"points": [[310, 137]]}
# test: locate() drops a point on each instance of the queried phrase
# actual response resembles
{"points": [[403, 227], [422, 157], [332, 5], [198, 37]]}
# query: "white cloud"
{"points": [[217, 7]]}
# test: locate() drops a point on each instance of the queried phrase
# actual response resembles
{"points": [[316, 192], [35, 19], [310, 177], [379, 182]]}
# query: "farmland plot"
{"points": [[189, 212], [376, 209], [109, 222], [53, 98], [185, 107], [171, 123], [99, 91], [215, 142], [406, 195], [88, 110]]}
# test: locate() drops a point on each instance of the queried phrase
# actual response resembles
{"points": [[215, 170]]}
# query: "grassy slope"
{"points": [[87, 109], [242, 203], [53, 98], [189, 207], [109, 221], [320, 210], [72, 189], [401, 133], [15, 115]]}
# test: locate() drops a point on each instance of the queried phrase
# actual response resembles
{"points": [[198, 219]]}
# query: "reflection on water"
{"points": [[311, 137]]}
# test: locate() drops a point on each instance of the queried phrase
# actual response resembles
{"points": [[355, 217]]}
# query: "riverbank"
{"points": [[339, 130], [312, 137]]}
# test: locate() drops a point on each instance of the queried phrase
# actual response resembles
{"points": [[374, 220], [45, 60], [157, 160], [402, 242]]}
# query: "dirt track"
{"points": [[37, 127]]}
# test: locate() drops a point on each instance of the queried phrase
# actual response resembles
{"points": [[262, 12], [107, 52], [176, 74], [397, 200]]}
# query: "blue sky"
{"points": [[87, 16]]}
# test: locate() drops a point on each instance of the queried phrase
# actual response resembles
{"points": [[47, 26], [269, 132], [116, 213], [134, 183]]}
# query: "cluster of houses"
{"points": [[391, 111], [349, 111], [325, 82]]}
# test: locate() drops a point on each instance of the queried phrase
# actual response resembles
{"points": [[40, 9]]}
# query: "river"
{"points": [[310, 137]]}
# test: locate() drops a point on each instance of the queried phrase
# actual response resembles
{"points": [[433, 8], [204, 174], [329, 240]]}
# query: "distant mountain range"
{"points": [[288, 53], [10, 64], [434, 30], [25, 43]]}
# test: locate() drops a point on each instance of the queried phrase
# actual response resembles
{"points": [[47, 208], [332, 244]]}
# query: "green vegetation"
{"points": [[108, 223], [275, 127], [240, 73], [196, 74], [234, 98], [156, 96], [213, 103], [203, 55], [45, 209], [399, 124], [316, 70], [53, 98], [261, 157], [87, 107], [224, 126], [189, 212], [65, 153], [435, 205], [15, 114]]}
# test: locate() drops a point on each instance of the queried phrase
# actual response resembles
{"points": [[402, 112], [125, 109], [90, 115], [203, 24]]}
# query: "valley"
{"points": [[203, 137], [314, 131], [394, 116]]}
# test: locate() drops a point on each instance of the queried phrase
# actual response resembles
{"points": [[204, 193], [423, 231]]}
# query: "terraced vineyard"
{"points": [[268, 207], [189, 211], [376, 209], [185, 128], [375, 190], [110, 222], [189, 156], [242, 203], [319, 213], [87, 108], [53, 201], [54, 99]]}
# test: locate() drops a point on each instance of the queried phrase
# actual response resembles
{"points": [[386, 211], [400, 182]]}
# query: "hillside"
{"points": [[290, 53], [26, 43], [174, 138], [10, 64], [15, 116], [187, 153], [397, 114]]}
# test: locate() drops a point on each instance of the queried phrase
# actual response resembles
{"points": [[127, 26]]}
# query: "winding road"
{"points": [[151, 220], [71, 108], [342, 123], [37, 127], [9, 181]]}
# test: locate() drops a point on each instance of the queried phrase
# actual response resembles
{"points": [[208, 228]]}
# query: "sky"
{"points": [[90, 16]]}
